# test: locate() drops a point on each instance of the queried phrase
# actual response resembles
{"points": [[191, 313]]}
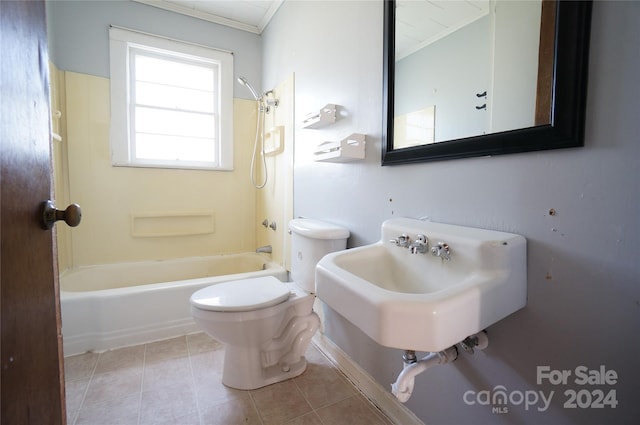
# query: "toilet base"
{"points": [[243, 371], [277, 360], [263, 346]]}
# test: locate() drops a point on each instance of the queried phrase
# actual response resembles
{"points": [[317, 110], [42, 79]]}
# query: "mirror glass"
{"points": [[483, 77], [467, 68]]}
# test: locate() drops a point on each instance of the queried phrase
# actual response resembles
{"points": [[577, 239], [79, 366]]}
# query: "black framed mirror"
{"points": [[563, 126]]}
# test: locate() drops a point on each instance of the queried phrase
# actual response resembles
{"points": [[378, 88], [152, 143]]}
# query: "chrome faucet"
{"points": [[266, 249], [403, 241], [419, 246], [441, 250]]}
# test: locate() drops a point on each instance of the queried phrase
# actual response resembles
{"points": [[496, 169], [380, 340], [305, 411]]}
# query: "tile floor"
{"points": [[178, 381]]}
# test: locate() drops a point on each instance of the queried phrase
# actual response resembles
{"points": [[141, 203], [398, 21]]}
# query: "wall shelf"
{"points": [[325, 116], [346, 150], [167, 224]]}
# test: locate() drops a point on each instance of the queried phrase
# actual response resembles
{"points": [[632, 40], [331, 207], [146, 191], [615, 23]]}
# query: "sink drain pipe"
{"points": [[403, 387]]}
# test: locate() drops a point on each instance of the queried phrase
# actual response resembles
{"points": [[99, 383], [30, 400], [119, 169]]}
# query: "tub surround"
{"points": [[137, 214]]}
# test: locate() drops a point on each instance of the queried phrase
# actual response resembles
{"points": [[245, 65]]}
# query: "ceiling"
{"points": [[247, 15], [419, 22]]}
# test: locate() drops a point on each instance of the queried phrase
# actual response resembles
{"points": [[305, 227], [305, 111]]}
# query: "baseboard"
{"points": [[372, 390], [104, 341]]}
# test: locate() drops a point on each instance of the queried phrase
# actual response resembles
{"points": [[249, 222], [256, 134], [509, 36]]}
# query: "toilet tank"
{"points": [[310, 241]]}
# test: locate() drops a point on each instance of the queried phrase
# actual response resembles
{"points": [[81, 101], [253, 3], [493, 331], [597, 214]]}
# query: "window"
{"points": [[171, 103]]}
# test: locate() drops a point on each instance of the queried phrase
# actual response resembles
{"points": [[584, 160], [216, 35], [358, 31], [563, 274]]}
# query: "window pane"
{"points": [[171, 97], [168, 103], [174, 148], [173, 73], [176, 123]]}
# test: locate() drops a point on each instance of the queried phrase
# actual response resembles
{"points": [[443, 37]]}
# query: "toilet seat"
{"points": [[241, 295]]}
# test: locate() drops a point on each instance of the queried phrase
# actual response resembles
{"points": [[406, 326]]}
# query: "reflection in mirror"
{"points": [[483, 77], [476, 62]]}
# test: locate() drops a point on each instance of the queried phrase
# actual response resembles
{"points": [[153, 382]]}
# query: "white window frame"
{"points": [[122, 41]]}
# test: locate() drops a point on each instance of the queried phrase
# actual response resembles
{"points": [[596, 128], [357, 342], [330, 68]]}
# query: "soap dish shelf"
{"points": [[325, 116], [346, 150]]}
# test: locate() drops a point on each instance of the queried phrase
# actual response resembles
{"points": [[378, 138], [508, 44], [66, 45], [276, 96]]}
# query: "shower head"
{"points": [[245, 83]]}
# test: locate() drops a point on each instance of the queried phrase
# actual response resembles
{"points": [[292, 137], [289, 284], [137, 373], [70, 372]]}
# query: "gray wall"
{"points": [[448, 74], [78, 33], [583, 269]]}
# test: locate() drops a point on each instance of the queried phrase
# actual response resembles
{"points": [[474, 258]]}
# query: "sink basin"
{"points": [[420, 301]]}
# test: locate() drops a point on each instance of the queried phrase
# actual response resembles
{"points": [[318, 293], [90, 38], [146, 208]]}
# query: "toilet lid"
{"points": [[241, 295]]}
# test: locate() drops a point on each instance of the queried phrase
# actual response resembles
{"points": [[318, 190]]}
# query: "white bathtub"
{"points": [[116, 305]]}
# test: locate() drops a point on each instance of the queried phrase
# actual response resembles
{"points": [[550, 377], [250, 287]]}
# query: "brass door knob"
{"points": [[49, 214]]}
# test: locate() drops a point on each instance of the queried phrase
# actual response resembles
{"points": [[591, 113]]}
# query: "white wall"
{"points": [[583, 269]]}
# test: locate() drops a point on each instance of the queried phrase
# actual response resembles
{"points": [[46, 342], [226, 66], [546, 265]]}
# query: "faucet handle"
{"points": [[403, 241], [419, 246], [441, 250]]}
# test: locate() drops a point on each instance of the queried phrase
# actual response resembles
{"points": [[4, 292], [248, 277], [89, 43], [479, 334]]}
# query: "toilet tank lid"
{"points": [[317, 229]]}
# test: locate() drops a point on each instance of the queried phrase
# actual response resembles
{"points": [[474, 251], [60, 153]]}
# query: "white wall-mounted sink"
{"points": [[419, 301]]}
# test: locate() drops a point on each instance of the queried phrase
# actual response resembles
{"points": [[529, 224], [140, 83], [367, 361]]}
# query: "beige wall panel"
{"points": [[275, 200], [111, 196], [59, 159]]}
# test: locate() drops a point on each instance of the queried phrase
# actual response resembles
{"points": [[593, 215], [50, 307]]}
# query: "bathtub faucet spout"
{"points": [[267, 249]]}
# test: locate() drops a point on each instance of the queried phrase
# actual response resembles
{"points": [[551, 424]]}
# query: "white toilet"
{"points": [[265, 324]]}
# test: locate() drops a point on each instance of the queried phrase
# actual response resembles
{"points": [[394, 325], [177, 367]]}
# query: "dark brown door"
{"points": [[32, 383]]}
